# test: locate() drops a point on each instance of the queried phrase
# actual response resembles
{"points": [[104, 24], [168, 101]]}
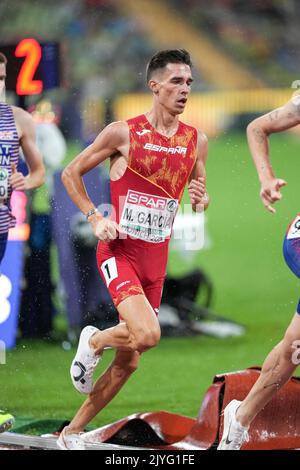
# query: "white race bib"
{"points": [[109, 270], [294, 230], [4, 175], [148, 217]]}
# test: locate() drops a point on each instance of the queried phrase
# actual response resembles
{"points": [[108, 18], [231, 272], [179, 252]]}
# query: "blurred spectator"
{"points": [[263, 35]]}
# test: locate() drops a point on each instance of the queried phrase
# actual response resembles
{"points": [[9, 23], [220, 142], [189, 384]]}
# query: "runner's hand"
{"points": [[198, 195], [104, 229], [270, 192], [17, 179]]}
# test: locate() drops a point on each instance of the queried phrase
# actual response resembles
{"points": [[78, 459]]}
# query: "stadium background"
{"points": [[246, 60]]}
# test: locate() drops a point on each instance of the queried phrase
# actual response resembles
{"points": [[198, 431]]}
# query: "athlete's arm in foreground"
{"points": [[197, 180], [280, 364], [33, 158], [258, 131], [113, 141]]}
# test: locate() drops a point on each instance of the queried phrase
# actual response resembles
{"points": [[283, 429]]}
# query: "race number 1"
{"points": [[109, 270], [3, 184]]}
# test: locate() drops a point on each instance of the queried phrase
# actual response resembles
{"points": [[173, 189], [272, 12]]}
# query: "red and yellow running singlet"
{"points": [[146, 199]]}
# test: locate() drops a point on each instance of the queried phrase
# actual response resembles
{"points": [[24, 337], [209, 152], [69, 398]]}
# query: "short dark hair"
{"points": [[162, 58], [3, 59]]}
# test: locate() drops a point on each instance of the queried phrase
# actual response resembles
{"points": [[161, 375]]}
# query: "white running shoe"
{"points": [[234, 434], [84, 362], [70, 441]]}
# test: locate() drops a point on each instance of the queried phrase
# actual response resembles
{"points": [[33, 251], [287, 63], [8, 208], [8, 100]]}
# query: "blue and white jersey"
{"points": [[9, 154]]}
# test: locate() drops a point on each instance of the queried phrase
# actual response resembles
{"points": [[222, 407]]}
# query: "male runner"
{"points": [[152, 157], [284, 358], [16, 129]]}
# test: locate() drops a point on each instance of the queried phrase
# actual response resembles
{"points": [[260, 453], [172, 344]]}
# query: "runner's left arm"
{"points": [[197, 180], [33, 158]]}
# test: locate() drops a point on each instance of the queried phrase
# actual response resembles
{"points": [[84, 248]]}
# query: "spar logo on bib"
{"points": [[148, 217], [147, 200]]}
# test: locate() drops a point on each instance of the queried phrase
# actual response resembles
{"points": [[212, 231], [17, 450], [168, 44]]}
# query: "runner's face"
{"points": [[174, 86], [2, 81]]}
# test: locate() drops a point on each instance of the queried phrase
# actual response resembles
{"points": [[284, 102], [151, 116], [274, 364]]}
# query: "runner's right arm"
{"points": [[258, 131], [111, 141]]}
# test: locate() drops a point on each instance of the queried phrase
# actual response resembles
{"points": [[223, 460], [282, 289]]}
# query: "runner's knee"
{"points": [[147, 339]]}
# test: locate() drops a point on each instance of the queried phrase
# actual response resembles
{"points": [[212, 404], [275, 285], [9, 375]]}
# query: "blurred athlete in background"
{"points": [[16, 130]]}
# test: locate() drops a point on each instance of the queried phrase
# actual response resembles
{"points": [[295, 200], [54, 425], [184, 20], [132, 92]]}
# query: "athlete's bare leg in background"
{"points": [[138, 332], [276, 371]]}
